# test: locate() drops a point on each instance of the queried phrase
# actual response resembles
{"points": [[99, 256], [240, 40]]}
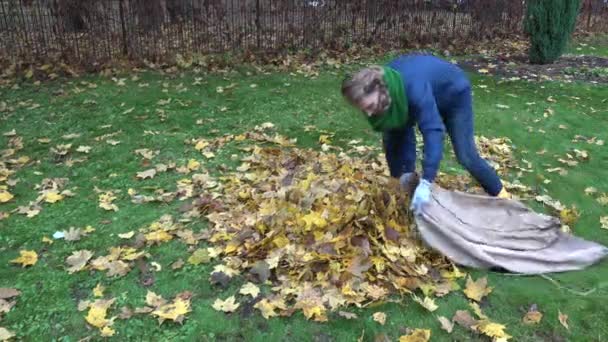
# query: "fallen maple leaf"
{"points": [[227, 305], [98, 290], [446, 324], [147, 174], [174, 311], [177, 265], [250, 289], [26, 258], [379, 317], [266, 308], [5, 196], [97, 313], [6, 334], [464, 319], [155, 300], [73, 234], [83, 149], [418, 335], [476, 290], [563, 319], [348, 315], [78, 260], [107, 332], [427, 303], [6, 293], [200, 256], [52, 197], [126, 235], [492, 329], [604, 222], [590, 190]]}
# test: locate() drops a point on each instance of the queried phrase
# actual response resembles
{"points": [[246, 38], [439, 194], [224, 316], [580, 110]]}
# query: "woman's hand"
{"points": [[421, 197]]}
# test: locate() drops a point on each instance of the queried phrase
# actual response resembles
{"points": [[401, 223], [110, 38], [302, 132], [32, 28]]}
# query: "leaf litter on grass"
{"points": [[322, 230]]}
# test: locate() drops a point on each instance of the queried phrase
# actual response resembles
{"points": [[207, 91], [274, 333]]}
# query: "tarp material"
{"points": [[492, 233]]}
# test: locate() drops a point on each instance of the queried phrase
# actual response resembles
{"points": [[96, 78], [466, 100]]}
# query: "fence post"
{"points": [[125, 49]]}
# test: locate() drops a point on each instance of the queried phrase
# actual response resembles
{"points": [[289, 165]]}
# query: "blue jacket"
{"points": [[431, 85]]}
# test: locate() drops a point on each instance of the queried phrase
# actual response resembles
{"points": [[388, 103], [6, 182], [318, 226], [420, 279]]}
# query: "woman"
{"points": [[433, 94]]}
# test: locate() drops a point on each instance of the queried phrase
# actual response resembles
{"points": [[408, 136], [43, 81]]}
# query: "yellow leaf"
{"points": [[418, 335], [158, 236], [27, 258], [568, 216], [281, 241], [250, 289], [98, 290], [227, 305], [266, 308], [5, 196], [476, 290], [427, 303], [127, 235], [563, 319], [47, 240], [492, 329], [532, 317], [604, 222], [209, 155], [200, 256], [379, 317], [477, 310], [97, 313], [314, 219], [324, 139], [193, 165], [5, 334], [174, 311], [201, 144], [107, 331], [52, 197], [483, 71]]}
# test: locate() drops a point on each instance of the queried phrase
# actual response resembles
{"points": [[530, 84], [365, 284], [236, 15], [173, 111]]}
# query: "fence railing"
{"points": [[98, 30]]}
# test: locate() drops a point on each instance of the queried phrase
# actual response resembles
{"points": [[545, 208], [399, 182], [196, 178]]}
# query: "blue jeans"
{"points": [[400, 145]]}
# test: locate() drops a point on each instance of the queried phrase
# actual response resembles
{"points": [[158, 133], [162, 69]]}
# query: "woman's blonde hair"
{"points": [[364, 83]]}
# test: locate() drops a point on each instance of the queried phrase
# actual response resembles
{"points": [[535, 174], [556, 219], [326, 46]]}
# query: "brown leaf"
{"points": [[261, 271], [125, 313], [464, 319], [78, 260]]}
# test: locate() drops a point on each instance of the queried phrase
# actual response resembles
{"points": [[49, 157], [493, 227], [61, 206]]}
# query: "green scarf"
{"points": [[397, 114]]}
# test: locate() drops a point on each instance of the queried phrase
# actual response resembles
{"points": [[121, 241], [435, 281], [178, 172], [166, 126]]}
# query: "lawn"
{"points": [[94, 106]]}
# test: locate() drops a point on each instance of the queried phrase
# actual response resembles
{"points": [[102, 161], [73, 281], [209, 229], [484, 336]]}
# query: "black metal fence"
{"points": [[89, 31]]}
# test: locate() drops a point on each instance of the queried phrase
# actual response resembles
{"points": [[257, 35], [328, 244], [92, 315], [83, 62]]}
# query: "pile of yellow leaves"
{"points": [[324, 230]]}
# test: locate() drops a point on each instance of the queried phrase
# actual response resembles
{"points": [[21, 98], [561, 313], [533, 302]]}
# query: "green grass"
{"points": [[596, 45], [47, 307]]}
